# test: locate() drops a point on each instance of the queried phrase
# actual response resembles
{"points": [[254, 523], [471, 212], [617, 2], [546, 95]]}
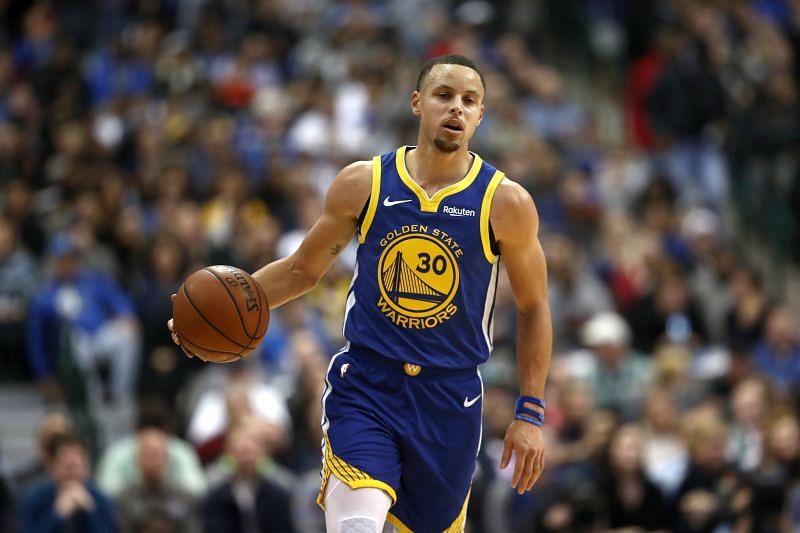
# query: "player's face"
{"points": [[449, 105]]}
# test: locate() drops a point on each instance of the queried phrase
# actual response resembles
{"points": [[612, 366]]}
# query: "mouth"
{"points": [[453, 125]]}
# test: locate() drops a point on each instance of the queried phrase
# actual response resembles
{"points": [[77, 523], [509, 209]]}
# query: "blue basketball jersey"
{"points": [[423, 290]]}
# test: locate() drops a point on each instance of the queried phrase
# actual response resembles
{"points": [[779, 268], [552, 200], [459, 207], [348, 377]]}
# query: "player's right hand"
{"points": [[175, 337]]}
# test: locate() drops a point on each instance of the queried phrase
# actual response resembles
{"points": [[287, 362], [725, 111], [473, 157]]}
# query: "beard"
{"points": [[446, 146]]}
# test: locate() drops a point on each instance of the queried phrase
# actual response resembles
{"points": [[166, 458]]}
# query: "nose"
{"points": [[457, 106]]}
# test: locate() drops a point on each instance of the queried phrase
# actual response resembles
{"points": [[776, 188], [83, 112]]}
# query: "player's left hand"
{"points": [[524, 441]]}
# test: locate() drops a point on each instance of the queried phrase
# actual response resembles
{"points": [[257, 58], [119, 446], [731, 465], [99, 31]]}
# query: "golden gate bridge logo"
{"points": [[417, 275], [401, 282]]}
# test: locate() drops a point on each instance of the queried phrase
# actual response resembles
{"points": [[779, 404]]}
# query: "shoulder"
{"points": [[356, 173], [351, 188], [180, 449], [512, 210], [222, 493], [355, 178], [511, 195], [42, 491]]}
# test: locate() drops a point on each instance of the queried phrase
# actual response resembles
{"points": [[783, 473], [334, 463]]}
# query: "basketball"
{"points": [[220, 313]]}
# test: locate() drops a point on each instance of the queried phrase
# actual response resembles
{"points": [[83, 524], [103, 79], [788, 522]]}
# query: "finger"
{"points": [[537, 471], [171, 325], [506, 456], [173, 296], [175, 338], [527, 474], [520, 461], [189, 354]]}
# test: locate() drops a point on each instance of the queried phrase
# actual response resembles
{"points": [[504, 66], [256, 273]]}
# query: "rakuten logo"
{"points": [[458, 211]]}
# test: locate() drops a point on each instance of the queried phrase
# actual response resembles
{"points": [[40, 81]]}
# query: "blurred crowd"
{"points": [[143, 139]]}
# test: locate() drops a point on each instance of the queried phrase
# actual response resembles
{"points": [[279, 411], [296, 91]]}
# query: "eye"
{"points": [[443, 95]]}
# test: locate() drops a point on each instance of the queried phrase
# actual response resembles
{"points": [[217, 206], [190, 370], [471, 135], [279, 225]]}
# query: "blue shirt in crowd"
{"points": [[84, 302], [38, 513]]}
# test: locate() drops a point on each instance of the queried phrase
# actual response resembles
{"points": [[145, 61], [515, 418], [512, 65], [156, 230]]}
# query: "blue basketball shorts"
{"points": [[411, 431]]}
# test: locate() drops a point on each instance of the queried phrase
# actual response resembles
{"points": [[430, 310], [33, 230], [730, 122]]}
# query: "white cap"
{"points": [[606, 328]]}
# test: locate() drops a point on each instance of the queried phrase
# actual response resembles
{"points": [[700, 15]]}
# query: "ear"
{"points": [[415, 98]]}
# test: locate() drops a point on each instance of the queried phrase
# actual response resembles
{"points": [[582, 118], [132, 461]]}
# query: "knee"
{"points": [[359, 525]]}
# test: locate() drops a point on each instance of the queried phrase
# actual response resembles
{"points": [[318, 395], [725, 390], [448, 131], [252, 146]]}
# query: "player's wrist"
{"points": [[530, 409]]}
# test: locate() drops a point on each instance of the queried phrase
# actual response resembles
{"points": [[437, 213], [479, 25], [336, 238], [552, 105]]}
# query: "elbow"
{"points": [[534, 307], [306, 278]]}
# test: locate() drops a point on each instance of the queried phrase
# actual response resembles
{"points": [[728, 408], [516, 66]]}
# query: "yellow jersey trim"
{"points": [[373, 199], [457, 526], [460, 522], [486, 208], [399, 526], [431, 203], [350, 475]]}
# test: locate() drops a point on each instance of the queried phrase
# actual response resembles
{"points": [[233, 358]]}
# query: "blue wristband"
{"points": [[522, 400], [529, 420], [530, 412]]}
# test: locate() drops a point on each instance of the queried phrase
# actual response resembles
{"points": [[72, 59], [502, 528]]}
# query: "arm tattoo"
{"points": [[335, 249]]}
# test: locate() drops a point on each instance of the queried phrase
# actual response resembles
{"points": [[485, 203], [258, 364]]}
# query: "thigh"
{"points": [[439, 453]]}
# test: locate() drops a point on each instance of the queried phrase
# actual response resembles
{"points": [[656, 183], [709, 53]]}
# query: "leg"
{"points": [[120, 342], [361, 455], [354, 510], [439, 453]]}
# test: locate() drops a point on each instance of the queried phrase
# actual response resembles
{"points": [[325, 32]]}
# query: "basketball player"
{"points": [[403, 399]]}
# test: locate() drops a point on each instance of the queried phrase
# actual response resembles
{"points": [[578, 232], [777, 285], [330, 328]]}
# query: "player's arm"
{"points": [[295, 275], [516, 226]]}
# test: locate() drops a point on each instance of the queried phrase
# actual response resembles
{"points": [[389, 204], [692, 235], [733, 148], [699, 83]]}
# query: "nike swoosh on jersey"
{"points": [[470, 403], [390, 203]]}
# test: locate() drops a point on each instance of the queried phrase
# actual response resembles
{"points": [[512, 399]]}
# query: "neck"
{"points": [[430, 166]]}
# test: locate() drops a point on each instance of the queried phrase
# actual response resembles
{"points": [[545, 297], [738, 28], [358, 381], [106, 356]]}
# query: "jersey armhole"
{"points": [[493, 245], [490, 247], [363, 214], [368, 213]]}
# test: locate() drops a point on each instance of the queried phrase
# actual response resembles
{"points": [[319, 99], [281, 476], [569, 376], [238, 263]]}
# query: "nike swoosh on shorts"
{"points": [[470, 403]]}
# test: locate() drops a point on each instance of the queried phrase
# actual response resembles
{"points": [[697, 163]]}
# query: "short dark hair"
{"points": [[63, 440], [449, 59]]}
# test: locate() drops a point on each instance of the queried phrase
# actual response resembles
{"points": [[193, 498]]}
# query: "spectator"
{"points": [[744, 324], [668, 313], [95, 315], [50, 426], [712, 494], [632, 500], [574, 291], [18, 279], [118, 468], [777, 354], [18, 207], [664, 453], [164, 370], [779, 472], [751, 403], [247, 502], [617, 374], [154, 504], [222, 406], [68, 501], [266, 435]]}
